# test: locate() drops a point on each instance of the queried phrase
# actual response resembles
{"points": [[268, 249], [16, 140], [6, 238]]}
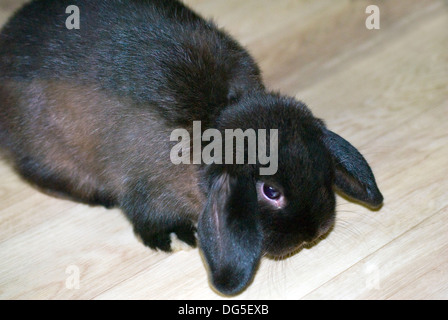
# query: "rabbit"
{"points": [[87, 114]]}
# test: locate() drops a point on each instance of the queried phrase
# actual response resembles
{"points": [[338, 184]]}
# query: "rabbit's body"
{"points": [[133, 72], [88, 114]]}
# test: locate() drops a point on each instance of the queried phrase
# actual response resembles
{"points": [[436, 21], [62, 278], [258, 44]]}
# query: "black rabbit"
{"points": [[87, 113]]}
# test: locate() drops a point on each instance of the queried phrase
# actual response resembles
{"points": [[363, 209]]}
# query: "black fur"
{"points": [[230, 231], [88, 114]]}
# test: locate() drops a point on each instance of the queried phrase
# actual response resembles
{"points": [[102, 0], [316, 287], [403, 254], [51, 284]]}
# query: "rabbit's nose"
{"points": [[327, 225], [321, 230]]}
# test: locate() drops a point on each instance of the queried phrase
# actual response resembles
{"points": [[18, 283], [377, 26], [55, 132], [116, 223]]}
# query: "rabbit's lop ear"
{"points": [[353, 175], [229, 233]]}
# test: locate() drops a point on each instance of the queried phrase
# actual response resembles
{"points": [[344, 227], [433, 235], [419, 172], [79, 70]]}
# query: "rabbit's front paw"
{"points": [[170, 240]]}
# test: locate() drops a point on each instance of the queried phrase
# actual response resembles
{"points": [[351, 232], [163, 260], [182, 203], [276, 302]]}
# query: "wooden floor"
{"points": [[386, 91]]}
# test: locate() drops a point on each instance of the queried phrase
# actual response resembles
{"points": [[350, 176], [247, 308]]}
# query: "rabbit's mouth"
{"points": [[284, 253], [284, 246]]}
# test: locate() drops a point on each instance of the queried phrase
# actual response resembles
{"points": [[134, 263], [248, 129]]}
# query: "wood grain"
{"points": [[386, 91]]}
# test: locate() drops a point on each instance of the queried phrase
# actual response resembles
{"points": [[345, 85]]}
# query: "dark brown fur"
{"points": [[70, 118]]}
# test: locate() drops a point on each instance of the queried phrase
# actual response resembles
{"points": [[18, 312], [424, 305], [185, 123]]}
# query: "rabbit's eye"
{"points": [[271, 192], [271, 196]]}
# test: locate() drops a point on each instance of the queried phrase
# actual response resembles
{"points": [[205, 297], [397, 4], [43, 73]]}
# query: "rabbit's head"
{"points": [[248, 214]]}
